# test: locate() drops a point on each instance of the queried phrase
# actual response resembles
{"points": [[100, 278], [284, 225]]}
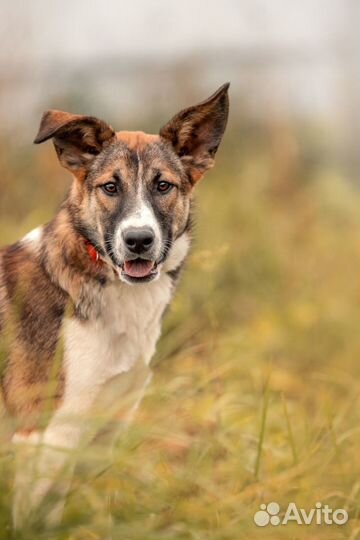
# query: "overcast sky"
{"points": [[294, 53], [81, 29]]}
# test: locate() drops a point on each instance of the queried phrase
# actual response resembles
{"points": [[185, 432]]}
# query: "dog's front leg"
{"points": [[44, 467], [117, 406], [45, 460]]}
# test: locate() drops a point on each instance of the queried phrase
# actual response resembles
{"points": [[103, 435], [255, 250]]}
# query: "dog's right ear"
{"points": [[77, 139]]}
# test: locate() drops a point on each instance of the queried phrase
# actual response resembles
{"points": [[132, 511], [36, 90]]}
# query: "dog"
{"points": [[82, 297]]}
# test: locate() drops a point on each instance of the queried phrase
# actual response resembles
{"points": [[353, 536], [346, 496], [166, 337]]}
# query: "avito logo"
{"points": [[320, 515]]}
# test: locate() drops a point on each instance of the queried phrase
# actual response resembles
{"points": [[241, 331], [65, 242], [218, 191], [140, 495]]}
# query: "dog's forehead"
{"points": [[137, 140], [132, 148]]}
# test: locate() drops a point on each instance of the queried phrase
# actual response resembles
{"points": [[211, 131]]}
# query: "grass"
{"points": [[255, 396]]}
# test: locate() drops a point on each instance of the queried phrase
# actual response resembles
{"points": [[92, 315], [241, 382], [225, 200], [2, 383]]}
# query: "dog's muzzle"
{"points": [[140, 258], [139, 241]]}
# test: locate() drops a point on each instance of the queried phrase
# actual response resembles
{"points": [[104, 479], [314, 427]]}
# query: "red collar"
{"points": [[93, 254]]}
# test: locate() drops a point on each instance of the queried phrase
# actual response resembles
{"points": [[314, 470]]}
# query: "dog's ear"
{"points": [[195, 133], [77, 139]]}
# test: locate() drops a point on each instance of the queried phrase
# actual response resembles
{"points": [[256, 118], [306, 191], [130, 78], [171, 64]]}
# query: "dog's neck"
{"points": [[82, 270], [66, 256]]}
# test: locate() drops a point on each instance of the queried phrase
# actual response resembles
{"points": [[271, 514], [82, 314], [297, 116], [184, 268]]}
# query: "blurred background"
{"points": [[255, 396]]}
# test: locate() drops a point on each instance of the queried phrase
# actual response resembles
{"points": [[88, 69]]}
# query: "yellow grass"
{"points": [[255, 396]]}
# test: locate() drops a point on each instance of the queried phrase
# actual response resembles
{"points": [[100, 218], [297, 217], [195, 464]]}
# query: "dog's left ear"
{"points": [[195, 133], [77, 139]]}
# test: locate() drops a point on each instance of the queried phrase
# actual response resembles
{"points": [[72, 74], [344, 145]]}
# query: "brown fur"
{"points": [[136, 140], [196, 132], [38, 287], [31, 329]]}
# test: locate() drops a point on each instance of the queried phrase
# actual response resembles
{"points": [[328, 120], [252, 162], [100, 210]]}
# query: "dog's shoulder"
{"points": [[28, 296], [24, 282]]}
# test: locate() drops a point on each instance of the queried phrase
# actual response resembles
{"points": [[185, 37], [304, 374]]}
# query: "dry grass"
{"points": [[255, 396]]}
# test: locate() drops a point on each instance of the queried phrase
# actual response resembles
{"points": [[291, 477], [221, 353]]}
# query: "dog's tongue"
{"points": [[138, 268]]}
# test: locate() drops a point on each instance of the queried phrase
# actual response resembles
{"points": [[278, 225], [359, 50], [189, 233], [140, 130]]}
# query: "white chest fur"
{"points": [[124, 335], [106, 373]]}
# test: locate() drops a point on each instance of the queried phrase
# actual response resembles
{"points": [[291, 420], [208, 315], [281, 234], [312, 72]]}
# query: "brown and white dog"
{"points": [[82, 297]]}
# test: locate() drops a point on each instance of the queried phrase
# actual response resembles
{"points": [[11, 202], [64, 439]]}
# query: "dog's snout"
{"points": [[139, 240]]}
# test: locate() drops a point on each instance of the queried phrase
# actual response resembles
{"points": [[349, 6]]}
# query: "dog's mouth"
{"points": [[139, 269]]}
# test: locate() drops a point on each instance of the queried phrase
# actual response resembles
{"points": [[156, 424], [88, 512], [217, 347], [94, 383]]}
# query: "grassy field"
{"points": [[255, 396]]}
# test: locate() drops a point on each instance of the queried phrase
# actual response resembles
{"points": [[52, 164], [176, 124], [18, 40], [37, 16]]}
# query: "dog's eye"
{"points": [[110, 188], [164, 187]]}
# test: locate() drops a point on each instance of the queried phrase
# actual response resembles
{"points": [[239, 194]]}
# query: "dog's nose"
{"points": [[139, 240]]}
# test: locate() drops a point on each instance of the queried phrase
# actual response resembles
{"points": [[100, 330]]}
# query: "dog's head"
{"points": [[132, 191]]}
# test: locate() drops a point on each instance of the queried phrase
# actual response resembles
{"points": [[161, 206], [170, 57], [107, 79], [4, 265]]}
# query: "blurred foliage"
{"points": [[255, 395]]}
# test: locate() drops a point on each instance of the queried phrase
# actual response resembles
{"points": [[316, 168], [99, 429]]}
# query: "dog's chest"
{"points": [[125, 333]]}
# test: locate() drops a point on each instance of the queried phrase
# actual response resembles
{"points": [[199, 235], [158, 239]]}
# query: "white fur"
{"points": [[177, 253], [125, 333], [106, 371], [141, 216], [34, 236]]}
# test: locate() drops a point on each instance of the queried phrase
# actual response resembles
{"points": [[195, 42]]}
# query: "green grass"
{"points": [[255, 396]]}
